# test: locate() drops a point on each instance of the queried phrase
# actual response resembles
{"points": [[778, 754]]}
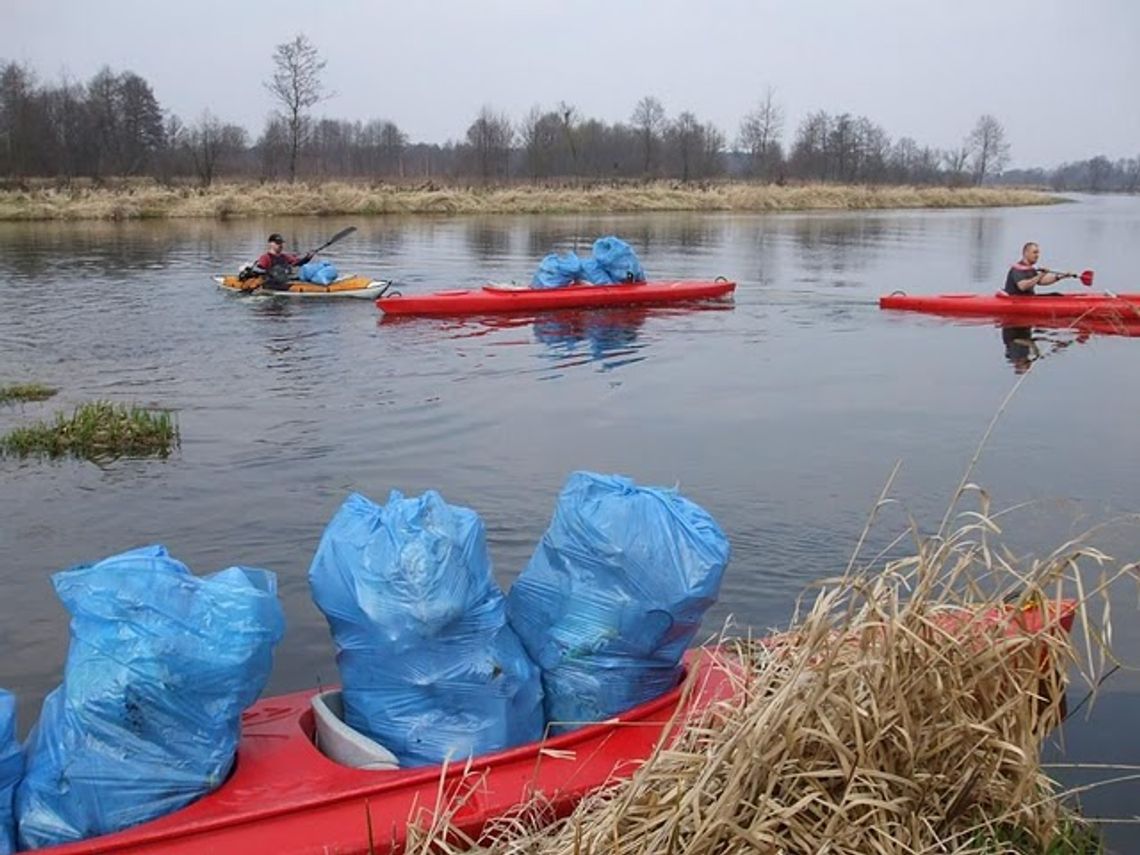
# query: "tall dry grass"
{"points": [[887, 718], [145, 200]]}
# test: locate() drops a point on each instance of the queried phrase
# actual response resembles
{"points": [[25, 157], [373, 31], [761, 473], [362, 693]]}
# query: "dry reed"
{"points": [[888, 718], [141, 200]]}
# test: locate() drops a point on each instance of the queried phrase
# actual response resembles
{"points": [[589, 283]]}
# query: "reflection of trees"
{"points": [[545, 236], [986, 232], [838, 243], [101, 249], [488, 238]]}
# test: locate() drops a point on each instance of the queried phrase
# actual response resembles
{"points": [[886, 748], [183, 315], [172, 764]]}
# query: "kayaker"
{"points": [[1024, 276], [275, 265]]}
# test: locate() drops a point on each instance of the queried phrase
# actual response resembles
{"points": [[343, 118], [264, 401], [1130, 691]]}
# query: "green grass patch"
{"points": [[1073, 837], [97, 431], [18, 392]]}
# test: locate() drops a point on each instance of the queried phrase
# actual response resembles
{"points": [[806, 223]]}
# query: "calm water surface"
{"points": [[783, 414]]}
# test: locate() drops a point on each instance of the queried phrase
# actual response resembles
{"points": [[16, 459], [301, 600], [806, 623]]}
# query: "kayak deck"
{"points": [[360, 287], [1123, 307], [496, 299]]}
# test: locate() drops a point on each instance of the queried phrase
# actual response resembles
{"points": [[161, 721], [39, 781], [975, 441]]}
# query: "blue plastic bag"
{"points": [[613, 594], [11, 770], [618, 260], [557, 270], [429, 666], [161, 665], [594, 273], [319, 272]]}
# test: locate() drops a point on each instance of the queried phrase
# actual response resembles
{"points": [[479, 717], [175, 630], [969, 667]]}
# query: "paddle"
{"points": [[1086, 276], [343, 233]]}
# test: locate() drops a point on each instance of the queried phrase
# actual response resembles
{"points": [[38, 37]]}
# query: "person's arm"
{"points": [[1030, 282], [1050, 277]]}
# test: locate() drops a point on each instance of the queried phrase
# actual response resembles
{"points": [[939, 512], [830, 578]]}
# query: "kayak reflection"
{"points": [[1025, 344], [610, 336], [595, 334]]}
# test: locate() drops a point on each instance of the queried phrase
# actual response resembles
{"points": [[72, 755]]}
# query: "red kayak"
{"points": [[285, 796], [497, 299], [1123, 307]]}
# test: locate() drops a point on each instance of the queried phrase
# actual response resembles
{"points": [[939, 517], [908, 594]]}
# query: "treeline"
{"points": [[113, 125], [1096, 175]]}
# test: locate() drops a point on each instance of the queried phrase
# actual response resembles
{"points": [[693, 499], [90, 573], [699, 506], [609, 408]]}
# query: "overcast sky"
{"points": [[1062, 77]]}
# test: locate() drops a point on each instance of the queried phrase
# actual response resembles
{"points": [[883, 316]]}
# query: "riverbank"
{"points": [[138, 200]]}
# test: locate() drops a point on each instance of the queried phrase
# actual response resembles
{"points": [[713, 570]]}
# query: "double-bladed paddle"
{"points": [[1086, 276]]}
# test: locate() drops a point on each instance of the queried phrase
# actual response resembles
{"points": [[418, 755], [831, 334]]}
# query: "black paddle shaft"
{"points": [[338, 236]]}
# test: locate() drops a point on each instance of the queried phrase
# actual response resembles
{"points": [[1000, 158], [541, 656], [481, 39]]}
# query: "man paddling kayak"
{"points": [[275, 265], [1024, 276]]}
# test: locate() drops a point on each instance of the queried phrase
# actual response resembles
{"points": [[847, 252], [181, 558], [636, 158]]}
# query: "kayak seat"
{"points": [[343, 744]]}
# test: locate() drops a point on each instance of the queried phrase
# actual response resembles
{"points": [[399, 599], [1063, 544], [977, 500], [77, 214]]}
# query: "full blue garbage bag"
{"points": [[614, 593], [557, 270], [616, 259], [319, 272], [429, 666], [594, 273], [11, 770], [161, 665]]}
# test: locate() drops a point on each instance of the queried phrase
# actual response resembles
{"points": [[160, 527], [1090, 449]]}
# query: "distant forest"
{"points": [[113, 126]]}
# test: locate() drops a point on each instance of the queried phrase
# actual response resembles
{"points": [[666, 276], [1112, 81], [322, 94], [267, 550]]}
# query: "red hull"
{"points": [[498, 300], [1122, 307]]}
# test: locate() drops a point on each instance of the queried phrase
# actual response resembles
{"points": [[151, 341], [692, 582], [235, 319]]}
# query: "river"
{"points": [[782, 414]]}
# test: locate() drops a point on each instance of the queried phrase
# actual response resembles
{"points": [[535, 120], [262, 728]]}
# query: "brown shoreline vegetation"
{"points": [[141, 199], [870, 727]]}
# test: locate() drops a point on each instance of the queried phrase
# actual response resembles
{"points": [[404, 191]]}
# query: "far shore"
{"points": [[140, 199]]}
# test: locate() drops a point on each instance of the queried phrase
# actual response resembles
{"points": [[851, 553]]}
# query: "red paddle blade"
{"points": [[1087, 278]]}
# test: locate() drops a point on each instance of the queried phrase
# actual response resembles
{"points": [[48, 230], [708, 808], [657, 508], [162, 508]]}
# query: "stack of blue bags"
{"points": [[430, 668], [613, 261], [319, 272], [431, 661], [436, 663], [160, 667], [614, 594]]}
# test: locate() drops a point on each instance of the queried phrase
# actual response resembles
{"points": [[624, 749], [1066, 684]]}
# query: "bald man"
{"points": [[1024, 276]]}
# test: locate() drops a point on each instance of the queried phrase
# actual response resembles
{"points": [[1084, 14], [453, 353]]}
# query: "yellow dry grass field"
{"points": [[137, 200]]}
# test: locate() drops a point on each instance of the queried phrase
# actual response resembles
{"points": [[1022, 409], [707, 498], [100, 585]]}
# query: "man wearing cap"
{"points": [[275, 265]]}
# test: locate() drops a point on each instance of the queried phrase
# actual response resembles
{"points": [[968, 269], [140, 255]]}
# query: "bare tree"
{"points": [[988, 147], [760, 133], [686, 138], [649, 120], [956, 161], [296, 84], [490, 137], [568, 114]]}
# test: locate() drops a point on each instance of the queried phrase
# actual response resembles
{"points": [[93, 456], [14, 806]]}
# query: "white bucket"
{"points": [[341, 743]]}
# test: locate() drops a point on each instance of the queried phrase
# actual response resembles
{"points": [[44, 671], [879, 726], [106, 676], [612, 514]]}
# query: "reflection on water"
{"points": [[610, 337], [987, 248], [487, 240], [1027, 344]]}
